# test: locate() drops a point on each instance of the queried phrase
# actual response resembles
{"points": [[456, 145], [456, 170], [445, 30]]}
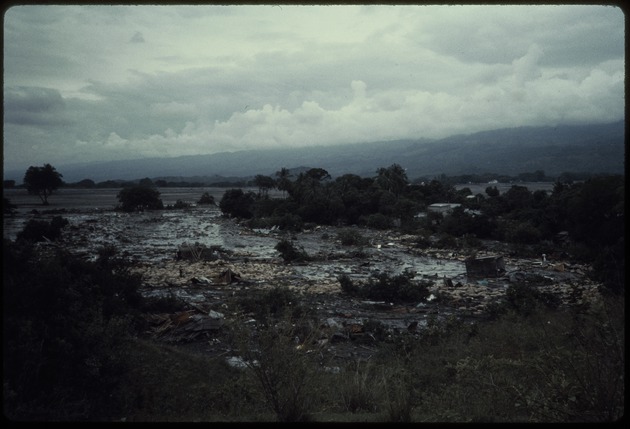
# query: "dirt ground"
{"points": [[238, 259]]}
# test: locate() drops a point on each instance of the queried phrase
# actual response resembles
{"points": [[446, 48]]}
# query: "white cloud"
{"points": [[170, 81]]}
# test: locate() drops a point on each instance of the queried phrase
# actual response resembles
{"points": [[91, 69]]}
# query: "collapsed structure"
{"points": [[487, 266]]}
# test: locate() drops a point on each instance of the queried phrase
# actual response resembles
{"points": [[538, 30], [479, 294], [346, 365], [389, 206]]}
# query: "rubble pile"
{"points": [[203, 259]]}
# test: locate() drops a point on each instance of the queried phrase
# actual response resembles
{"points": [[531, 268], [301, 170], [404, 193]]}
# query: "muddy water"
{"points": [[151, 241]]}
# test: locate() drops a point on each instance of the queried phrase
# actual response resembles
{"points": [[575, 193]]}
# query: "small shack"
{"points": [[487, 266]]}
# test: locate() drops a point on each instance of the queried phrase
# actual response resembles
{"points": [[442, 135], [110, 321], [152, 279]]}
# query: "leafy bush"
{"points": [[206, 199], [139, 198], [39, 230], [66, 326], [8, 207], [377, 221], [524, 233], [285, 375], [446, 241], [272, 303], [290, 253], [357, 389], [383, 287], [348, 286], [290, 222], [525, 298], [238, 204], [179, 204], [422, 242], [351, 237]]}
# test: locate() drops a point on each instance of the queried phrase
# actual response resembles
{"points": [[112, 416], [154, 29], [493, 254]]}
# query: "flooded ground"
{"points": [[151, 241]]}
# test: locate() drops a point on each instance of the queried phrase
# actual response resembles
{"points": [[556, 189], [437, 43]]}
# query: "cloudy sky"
{"points": [[84, 83]]}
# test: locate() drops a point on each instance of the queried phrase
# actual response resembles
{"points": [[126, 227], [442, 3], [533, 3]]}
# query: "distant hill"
{"points": [[579, 148]]}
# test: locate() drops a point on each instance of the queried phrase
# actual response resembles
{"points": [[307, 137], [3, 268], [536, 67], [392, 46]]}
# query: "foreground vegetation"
{"points": [[74, 347], [74, 350]]}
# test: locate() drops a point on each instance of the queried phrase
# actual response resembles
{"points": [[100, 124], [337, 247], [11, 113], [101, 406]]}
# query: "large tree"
{"points": [[42, 181], [393, 179], [264, 183]]}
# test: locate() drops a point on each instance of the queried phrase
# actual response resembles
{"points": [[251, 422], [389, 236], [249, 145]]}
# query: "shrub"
{"points": [[179, 204], [347, 285], [206, 199], [8, 207], [290, 222], [525, 298], [382, 286], [422, 242], [285, 375], [351, 237], [66, 326], [290, 253], [524, 233], [139, 198], [399, 392], [395, 289], [446, 241], [378, 221], [238, 204], [272, 304], [37, 230], [357, 389]]}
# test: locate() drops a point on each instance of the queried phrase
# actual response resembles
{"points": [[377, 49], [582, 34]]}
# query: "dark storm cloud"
{"points": [[34, 106], [181, 80]]}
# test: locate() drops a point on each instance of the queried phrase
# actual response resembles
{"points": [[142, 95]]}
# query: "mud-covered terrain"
{"points": [[205, 259]]}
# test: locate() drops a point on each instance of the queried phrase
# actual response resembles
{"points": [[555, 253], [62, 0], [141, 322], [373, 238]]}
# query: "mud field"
{"points": [[224, 258]]}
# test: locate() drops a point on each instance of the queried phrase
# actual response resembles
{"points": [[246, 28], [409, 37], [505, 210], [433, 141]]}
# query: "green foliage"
{"points": [[348, 286], [206, 199], [139, 198], [285, 375], [42, 181], [398, 386], [525, 298], [237, 203], [422, 241], [378, 221], [392, 179], [491, 191], [522, 233], [40, 230], [7, 207], [460, 223], [291, 253], [272, 303], [446, 241], [179, 204], [264, 184], [283, 182], [384, 287], [357, 389], [290, 222], [66, 324], [351, 237]]}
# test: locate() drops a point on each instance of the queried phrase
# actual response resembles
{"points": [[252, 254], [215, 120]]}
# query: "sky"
{"points": [[95, 83]]}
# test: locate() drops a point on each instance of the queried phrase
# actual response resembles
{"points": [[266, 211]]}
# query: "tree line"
{"points": [[585, 219], [590, 212]]}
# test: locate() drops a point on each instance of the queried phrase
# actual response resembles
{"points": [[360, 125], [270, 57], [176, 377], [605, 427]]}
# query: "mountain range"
{"points": [[593, 148]]}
